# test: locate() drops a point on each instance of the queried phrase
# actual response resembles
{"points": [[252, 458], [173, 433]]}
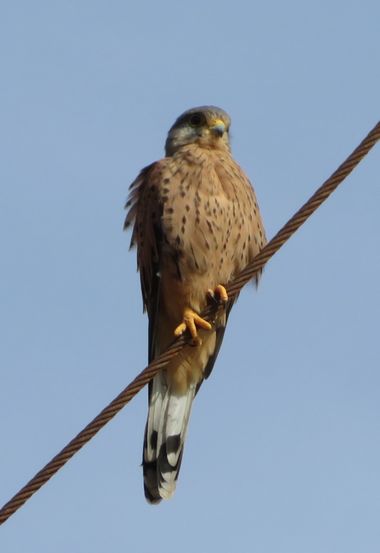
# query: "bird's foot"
{"points": [[190, 322], [218, 295]]}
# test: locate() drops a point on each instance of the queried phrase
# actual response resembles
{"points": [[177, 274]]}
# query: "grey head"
{"points": [[207, 126]]}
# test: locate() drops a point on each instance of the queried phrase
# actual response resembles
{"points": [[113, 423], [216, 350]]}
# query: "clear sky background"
{"points": [[283, 452]]}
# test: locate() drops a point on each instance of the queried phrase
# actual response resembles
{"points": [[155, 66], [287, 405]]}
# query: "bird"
{"points": [[196, 224]]}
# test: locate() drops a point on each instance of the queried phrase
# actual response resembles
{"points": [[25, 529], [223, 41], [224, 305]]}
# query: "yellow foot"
{"points": [[219, 294], [190, 322]]}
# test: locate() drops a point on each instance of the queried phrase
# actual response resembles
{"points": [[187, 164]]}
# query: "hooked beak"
{"points": [[218, 127]]}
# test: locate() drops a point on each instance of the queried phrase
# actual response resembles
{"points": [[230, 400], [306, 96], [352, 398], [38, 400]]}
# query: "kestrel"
{"points": [[196, 225]]}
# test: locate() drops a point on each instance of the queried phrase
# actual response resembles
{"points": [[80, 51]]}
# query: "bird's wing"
{"points": [[144, 212]]}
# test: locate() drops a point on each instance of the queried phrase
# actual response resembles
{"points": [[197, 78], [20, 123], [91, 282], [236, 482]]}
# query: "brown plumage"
{"points": [[196, 225]]}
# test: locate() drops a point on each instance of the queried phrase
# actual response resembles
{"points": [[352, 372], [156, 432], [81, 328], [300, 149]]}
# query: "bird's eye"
{"points": [[196, 120]]}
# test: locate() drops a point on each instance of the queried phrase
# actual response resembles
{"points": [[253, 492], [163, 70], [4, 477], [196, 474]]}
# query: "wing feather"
{"points": [[144, 212]]}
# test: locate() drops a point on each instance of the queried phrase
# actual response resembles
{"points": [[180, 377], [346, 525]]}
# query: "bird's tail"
{"points": [[165, 435]]}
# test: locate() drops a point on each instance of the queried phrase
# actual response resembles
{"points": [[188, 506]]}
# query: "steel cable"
{"points": [[160, 362]]}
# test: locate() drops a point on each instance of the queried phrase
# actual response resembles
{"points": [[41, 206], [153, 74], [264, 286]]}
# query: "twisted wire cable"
{"points": [[160, 362]]}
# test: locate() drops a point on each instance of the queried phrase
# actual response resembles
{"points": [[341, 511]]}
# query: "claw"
{"points": [[190, 322], [221, 292], [219, 295]]}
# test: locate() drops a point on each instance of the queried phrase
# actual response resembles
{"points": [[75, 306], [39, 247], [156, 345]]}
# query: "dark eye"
{"points": [[196, 120]]}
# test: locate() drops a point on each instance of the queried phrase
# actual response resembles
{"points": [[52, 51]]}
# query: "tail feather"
{"points": [[165, 435], [158, 399], [178, 414]]}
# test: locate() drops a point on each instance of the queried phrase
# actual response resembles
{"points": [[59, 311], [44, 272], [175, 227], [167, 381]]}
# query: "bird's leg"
{"points": [[219, 294], [190, 322]]}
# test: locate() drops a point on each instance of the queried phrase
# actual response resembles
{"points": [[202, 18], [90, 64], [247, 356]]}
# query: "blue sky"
{"points": [[283, 452]]}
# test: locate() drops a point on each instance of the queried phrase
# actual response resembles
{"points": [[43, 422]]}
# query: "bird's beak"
{"points": [[218, 127]]}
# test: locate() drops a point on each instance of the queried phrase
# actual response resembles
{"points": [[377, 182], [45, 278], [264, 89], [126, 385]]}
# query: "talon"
{"points": [[221, 293], [191, 321]]}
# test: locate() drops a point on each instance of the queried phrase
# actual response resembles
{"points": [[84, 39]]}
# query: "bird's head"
{"points": [[206, 126]]}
